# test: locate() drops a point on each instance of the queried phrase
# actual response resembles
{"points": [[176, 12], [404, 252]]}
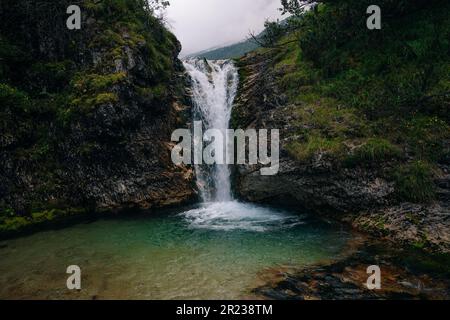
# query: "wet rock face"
{"points": [[113, 152], [316, 188], [136, 173]]}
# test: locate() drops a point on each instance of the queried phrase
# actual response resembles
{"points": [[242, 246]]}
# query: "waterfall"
{"points": [[214, 87]]}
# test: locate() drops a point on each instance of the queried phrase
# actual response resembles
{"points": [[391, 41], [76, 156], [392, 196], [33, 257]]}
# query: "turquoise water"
{"points": [[213, 251]]}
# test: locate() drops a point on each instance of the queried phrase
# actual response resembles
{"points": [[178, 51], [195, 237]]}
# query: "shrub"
{"points": [[315, 145], [374, 150], [426, 137], [50, 76], [415, 182], [88, 103], [292, 81], [13, 98]]}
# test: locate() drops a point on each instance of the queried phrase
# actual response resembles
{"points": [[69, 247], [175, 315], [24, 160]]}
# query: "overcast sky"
{"points": [[202, 24]]}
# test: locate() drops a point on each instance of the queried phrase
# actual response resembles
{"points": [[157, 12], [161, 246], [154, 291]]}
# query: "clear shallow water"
{"points": [[213, 251]]}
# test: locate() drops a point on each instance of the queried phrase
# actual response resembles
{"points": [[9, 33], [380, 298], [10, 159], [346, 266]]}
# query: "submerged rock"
{"points": [[346, 279]]}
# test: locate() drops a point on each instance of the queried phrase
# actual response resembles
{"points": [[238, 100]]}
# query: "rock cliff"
{"points": [[87, 114]]}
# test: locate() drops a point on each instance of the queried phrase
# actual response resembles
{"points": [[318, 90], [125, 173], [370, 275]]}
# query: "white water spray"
{"points": [[214, 86]]}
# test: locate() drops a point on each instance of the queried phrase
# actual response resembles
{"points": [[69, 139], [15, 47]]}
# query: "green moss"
{"points": [[380, 223], [50, 77], [6, 212], [415, 182], [87, 103], [158, 93], [14, 224], [419, 245], [304, 152], [288, 55], [373, 150], [92, 90], [92, 83], [427, 136], [13, 98], [295, 80], [376, 224], [418, 260], [105, 98], [413, 218], [243, 74], [332, 120]]}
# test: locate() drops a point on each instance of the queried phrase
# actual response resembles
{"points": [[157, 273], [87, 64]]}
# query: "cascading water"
{"points": [[214, 86]]}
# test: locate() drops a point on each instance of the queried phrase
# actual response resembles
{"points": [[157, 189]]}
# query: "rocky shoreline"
{"points": [[423, 277]]}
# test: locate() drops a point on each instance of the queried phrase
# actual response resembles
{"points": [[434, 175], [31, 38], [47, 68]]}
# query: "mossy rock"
{"points": [[15, 224]]}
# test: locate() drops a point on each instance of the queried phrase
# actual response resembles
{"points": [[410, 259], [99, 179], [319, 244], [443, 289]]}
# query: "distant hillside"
{"points": [[237, 50], [234, 51]]}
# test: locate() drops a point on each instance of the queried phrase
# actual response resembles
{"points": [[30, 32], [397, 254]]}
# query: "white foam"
{"points": [[234, 215]]}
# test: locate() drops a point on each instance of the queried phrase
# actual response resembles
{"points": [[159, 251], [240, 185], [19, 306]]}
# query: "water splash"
{"points": [[214, 87], [233, 215]]}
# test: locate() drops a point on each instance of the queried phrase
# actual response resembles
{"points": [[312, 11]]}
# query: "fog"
{"points": [[203, 24]]}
